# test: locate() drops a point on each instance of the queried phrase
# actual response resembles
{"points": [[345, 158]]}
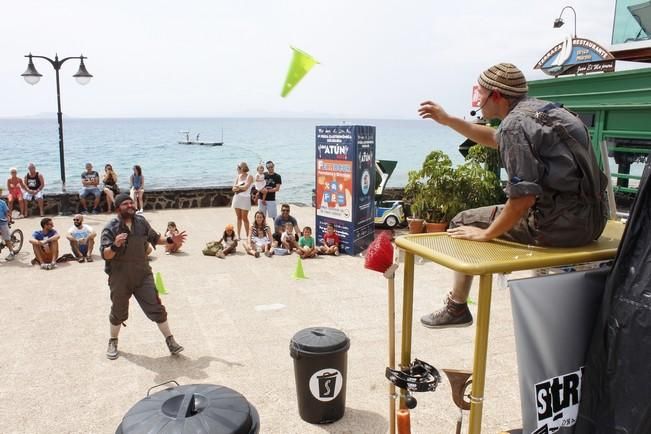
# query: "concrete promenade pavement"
{"points": [[235, 318]]}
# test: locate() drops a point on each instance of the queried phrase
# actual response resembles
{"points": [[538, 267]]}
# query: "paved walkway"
{"points": [[235, 318]]}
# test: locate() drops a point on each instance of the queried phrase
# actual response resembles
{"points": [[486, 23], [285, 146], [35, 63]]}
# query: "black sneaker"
{"points": [[451, 315], [172, 345], [112, 350]]}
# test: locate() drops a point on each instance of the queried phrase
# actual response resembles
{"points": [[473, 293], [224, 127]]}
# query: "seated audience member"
{"points": [[89, 186], [259, 237], [137, 188], [281, 221], [306, 247], [229, 241], [34, 184], [82, 239], [46, 245], [172, 232], [5, 218], [111, 189], [331, 241], [288, 238], [15, 187]]}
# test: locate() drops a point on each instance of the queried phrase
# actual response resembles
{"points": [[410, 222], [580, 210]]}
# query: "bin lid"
{"points": [[192, 408], [319, 340]]}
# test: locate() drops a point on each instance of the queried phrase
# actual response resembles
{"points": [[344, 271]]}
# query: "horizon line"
{"points": [[315, 116]]}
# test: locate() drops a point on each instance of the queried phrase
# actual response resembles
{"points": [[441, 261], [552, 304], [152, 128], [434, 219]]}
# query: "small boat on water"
{"points": [[187, 140]]}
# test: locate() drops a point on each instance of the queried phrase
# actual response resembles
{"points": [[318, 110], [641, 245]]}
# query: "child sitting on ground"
{"points": [[260, 185], [288, 238], [259, 237], [306, 247], [172, 230], [228, 241], [331, 241]]}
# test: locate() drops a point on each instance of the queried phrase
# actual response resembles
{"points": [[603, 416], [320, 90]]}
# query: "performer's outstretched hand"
{"points": [[431, 110], [179, 238]]}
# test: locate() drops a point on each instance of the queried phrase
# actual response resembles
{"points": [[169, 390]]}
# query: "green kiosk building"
{"points": [[615, 106]]}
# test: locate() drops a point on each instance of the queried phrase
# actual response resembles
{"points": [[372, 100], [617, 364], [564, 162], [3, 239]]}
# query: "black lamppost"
{"points": [[558, 22], [32, 76]]}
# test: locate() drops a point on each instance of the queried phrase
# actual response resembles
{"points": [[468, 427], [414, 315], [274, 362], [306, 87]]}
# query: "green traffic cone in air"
{"points": [[301, 65], [298, 273], [160, 286]]}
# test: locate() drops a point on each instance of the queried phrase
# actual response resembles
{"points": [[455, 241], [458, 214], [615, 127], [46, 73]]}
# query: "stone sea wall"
{"points": [[173, 198]]}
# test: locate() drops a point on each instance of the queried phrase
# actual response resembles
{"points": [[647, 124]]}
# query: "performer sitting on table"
{"points": [[556, 192]]}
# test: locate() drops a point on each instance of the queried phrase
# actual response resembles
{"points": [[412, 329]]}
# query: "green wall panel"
{"points": [[631, 120]]}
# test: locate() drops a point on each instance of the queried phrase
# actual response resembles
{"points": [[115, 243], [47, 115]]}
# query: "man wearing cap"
{"points": [[555, 189], [124, 244], [273, 182]]}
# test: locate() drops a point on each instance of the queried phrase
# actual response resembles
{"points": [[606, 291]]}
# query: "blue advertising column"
{"points": [[345, 184]]}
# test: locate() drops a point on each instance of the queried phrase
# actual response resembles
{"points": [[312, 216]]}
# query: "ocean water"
{"points": [[152, 143]]}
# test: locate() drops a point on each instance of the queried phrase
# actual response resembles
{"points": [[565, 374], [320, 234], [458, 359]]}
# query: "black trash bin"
{"points": [[320, 358], [192, 409]]}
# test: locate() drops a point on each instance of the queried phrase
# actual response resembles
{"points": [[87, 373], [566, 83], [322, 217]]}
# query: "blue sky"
{"points": [[229, 58]]}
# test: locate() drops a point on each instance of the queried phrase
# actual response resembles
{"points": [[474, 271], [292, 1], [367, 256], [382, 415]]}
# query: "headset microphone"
{"points": [[474, 112]]}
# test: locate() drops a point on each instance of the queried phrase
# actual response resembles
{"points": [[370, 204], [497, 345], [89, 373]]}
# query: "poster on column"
{"points": [[345, 176]]}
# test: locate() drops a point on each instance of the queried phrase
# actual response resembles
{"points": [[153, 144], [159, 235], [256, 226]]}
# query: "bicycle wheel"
{"points": [[17, 240]]}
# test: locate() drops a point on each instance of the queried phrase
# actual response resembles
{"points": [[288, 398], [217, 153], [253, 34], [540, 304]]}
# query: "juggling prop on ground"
{"points": [[298, 68], [379, 257], [298, 273], [160, 286]]}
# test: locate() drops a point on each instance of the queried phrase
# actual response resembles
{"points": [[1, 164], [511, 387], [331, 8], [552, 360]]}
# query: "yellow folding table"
{"points": [[483, 259]]}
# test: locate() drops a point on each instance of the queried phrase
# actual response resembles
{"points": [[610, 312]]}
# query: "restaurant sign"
{"points": [[576, 56]]}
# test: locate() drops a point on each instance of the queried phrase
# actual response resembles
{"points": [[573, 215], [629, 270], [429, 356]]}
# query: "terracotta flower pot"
{"points": [[435, 227], [416, 226]]}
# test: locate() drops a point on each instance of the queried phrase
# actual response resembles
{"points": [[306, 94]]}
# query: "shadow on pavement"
{"points": [[358, 421], [170, 367]]}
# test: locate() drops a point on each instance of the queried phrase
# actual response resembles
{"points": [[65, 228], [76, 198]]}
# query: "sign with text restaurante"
{"points": [[576, 56]]}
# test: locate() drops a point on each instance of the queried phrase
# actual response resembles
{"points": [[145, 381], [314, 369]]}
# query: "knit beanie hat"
{"points": [[506, 78], [121, 198]]}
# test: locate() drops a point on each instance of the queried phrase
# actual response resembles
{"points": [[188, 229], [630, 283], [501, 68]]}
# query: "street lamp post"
{"points": [[32, 76], [558, 22]]}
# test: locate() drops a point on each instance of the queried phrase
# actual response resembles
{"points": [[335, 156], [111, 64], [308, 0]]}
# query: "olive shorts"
{"points": [[482, 218], [145, 294]]}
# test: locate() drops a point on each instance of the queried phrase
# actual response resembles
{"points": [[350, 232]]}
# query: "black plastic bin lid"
{"points": [[192, 408], [318, 340]]}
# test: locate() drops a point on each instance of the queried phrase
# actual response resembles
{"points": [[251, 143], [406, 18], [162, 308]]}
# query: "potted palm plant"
{"points": [[439, 191], [414, 195], [429, 188], [476, 181]]}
